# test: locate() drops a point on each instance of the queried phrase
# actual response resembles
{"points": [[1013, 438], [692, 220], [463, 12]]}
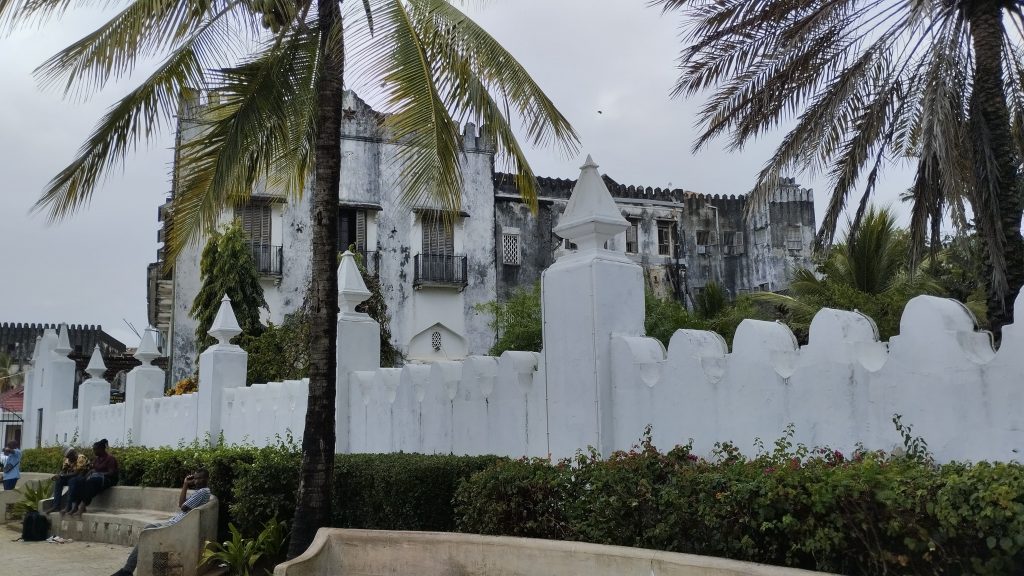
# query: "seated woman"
{"points": [[104, 474], [74, 465]]}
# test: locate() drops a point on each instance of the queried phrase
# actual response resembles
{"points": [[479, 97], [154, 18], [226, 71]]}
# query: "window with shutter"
{"points": [[351, 229], [255, 219], [794, 238], [633, 236], [438, 236], [666, 238]]}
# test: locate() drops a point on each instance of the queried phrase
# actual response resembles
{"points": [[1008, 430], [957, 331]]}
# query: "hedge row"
{"points": [[870, 514], [384, 491]]}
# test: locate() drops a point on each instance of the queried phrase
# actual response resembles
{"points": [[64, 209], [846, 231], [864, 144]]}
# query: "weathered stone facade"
{"points": [[683, 239], [433, 276]]}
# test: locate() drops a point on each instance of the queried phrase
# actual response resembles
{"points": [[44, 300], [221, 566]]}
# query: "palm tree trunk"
{"points": [[313, 506], [995, 166]]}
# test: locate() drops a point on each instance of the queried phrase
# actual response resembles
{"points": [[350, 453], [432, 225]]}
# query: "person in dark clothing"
{"points": [[104, 474], [74, 465]]}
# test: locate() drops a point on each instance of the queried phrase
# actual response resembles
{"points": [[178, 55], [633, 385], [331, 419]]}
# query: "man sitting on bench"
{"points": [[196, 481]]}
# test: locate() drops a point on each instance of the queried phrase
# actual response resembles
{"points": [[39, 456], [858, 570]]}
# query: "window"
{"points": [[438, 235], [351, 229], [666, 238], [255, 219], [794, 238], [732, 242], [568, 245], [703, 239], [510, 250], [761, 236], [633, 236]]}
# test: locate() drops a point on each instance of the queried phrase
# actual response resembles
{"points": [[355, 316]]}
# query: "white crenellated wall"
{"points": [[166, 421], [604, 382]]}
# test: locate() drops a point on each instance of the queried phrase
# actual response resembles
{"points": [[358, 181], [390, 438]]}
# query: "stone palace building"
{"points": [[433, 275]]}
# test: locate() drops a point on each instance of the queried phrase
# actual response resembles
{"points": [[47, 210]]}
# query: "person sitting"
{"points": [[104, 474], [74, 465], [197, 481]]}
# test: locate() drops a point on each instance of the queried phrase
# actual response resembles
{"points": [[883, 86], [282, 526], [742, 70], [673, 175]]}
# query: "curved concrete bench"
{"points": [[8, 498], [356, 552], [118, 515]]}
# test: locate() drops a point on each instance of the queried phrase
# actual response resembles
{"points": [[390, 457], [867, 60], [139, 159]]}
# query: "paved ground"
{"points": [[46, 559]]}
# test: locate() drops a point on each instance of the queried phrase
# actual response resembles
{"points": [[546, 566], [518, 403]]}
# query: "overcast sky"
{"points": [[608, 64]]}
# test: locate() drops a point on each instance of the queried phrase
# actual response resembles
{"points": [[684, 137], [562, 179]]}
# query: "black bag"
{"points": [[34, 527]]}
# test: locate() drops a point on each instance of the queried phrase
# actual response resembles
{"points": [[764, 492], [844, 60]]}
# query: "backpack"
{"points": [[34, 527]]}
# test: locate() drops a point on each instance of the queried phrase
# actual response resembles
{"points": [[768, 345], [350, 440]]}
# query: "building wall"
{"points": [[761, 262], [370, 180]]}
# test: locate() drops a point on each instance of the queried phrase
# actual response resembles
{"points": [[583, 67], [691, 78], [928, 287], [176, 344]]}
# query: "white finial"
{"points": [[147, 352], [591, 217], [63, 347], [225, 325], [96, 368], [351, 288], [35, 350]]}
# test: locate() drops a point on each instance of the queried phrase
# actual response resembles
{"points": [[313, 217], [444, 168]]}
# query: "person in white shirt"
{"points": [[197, 481]]}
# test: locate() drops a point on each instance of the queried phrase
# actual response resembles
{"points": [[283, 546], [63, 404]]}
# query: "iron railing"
{"points": [[440, 269], [267, 257]]}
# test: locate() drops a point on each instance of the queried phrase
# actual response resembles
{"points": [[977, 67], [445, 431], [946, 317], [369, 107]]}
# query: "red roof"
{"points": [[13, 400]]}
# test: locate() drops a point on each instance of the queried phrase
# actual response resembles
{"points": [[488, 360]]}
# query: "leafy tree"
{"points": [[280, 352], [227, 267], [869, 272], [278, 120], [871, 80], [958, 268], [516, 321]]}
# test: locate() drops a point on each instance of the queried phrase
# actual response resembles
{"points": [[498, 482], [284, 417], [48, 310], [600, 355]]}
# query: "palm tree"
{"points": [[278, 120], [869, 270], [870, 80]]}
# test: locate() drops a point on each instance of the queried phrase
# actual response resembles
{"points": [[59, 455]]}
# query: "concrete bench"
{"points": [[339, 552], [8, 498], [118, 515]]}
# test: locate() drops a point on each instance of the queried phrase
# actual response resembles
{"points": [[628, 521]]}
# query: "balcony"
{"points": [[267, 258], [440, 270]]}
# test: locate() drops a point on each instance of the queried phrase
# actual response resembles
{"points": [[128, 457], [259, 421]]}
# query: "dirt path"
{"points": [[46, 559]]}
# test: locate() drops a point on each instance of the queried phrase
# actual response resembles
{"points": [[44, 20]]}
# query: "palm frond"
{"points": [[256, 129], [147, 109]]}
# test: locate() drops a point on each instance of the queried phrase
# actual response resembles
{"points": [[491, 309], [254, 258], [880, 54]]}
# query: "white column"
{"points": [[143, 382], [33, 382], [588, 295], [93, 392], [221, 366], [57, 391], [358, 342]]}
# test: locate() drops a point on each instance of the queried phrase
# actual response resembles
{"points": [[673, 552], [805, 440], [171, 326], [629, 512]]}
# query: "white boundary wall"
{"points": [[608, 382]]}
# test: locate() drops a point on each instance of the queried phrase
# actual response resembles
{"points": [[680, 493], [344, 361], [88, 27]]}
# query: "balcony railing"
{"points": [[267, 258], [440, 270]]}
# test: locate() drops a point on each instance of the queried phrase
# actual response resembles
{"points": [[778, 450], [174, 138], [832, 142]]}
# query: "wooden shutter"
{"points": [[361, 229], [438, 238], [255, 218]]}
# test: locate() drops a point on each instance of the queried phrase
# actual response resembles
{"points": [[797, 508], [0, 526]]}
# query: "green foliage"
{"points": [[279, 352], [959, 269], [400, 491], [227, 267], [663, 316], [869, 513], [31, 494], [868, 272], [517, 321], [238, 554], [257, 485]]}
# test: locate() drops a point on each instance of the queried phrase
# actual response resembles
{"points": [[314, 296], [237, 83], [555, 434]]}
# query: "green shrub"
{"points": [[400, 491], [815, 509]]}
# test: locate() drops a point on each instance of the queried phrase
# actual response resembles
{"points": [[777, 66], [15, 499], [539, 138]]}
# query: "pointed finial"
{"points": [[147, 352], [225, 325], [591, 217], [63, 347], [35, 350], [96, 368], [351, 288]]}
